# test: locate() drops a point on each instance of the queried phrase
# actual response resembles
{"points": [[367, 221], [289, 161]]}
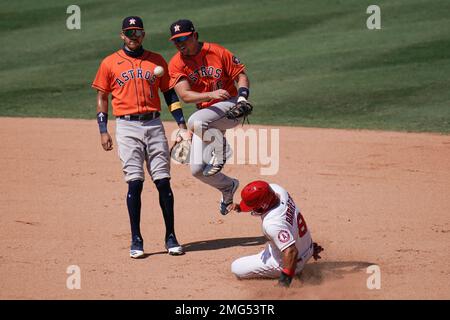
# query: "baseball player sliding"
{"points": [[290, 244], [133, 76], [207, 74]]}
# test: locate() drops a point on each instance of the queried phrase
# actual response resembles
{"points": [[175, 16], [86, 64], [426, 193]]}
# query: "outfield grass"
{"points": [[311, 63]]}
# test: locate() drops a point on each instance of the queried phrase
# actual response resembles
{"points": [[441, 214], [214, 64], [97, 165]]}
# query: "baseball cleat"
{"points": [[173, 247], [213, 167], [217, 162], [137, 248], [226, 201]]}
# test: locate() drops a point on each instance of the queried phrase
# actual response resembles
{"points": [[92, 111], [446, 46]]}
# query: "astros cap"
{"points": [[181, 28], [132, 22]]}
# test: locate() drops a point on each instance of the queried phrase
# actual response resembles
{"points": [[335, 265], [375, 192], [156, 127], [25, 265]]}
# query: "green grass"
{"points": [[311, 63]]}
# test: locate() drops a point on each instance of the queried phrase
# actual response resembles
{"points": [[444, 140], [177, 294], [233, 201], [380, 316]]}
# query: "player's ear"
{"points": [[122, 36], [196, 35]]}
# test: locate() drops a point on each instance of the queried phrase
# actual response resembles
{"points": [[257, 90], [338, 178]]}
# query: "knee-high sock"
{"points": [[134, 206], [166, 203]]}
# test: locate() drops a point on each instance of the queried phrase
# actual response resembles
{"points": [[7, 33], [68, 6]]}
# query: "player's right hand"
{"points": [[219, 94], [106, 141], [183, 134], [234, 207], [284, 280]]}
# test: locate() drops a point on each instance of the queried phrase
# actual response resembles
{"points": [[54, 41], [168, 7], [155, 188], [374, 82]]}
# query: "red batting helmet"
{"points": [[257, 196]]}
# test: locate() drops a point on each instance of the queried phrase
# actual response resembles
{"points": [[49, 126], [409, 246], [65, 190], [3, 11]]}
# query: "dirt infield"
{"points": [[368, 198]]}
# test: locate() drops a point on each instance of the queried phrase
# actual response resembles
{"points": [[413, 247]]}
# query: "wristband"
{"points": [[243, 92], [178, 116], [289, 272], [102, 120]]}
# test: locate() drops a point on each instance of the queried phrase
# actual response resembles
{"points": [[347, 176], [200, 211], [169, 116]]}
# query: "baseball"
{"points": [[159, 71]]}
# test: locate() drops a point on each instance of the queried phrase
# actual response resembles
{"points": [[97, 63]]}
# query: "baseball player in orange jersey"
{"points": [[207, 74], [290, 244], [128, 75]]}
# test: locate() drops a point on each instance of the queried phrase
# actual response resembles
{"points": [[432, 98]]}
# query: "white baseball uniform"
{"points": [[283, 226]]}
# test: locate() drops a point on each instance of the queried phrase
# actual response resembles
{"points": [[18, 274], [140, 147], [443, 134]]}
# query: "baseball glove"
{"points": [[181, 149], [242, 109]]}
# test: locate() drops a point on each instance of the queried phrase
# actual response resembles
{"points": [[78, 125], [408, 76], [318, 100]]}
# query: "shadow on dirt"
{"points": [[316, 273], [216, 244]]}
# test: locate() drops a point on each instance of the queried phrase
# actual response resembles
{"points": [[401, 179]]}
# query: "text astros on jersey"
{"points": [[213, 68], [131, 82], [135, 73]]}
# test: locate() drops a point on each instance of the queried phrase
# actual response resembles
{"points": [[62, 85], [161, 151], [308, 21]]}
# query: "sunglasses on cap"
{"points": [[181, 39], [133, 32]]}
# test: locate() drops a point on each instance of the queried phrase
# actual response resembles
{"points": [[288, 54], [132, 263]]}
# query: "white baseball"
{"points": [[159, 71]]}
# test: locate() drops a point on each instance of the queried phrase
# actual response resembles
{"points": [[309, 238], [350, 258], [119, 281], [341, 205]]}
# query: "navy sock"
{"points": [[166, 203], [134, 206]]}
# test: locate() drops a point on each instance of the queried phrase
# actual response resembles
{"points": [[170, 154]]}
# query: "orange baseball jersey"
{"points": [[213, 68], [131, 82]]}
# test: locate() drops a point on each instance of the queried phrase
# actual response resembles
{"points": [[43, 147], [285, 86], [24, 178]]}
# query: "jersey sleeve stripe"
{"points": [[235, 74], [100, 88], [177, 79], [287, 244]]}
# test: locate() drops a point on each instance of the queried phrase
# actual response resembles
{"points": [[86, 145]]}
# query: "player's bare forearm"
{"points": [[189, 96], [289, 256], [102, 101], [186, 94], [243, 81]]}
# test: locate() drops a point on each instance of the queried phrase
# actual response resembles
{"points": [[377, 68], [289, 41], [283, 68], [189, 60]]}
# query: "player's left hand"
{"points": [[240, 110], [316, 250]]}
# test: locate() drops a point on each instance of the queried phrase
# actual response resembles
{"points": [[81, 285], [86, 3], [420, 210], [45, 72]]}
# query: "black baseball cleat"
{"points": [[173, 247], [137, 247], [227, 198]]}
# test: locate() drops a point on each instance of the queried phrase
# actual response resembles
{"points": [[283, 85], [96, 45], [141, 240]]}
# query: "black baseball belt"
{"points": [[141, 117]]}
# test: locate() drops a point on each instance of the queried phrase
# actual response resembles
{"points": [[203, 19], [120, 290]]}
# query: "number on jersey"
{"points": [[302, 228]]}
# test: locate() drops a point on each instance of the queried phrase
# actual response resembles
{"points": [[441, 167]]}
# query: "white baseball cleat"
{"points": [[228, 198], [173, 247], [136, 253]]}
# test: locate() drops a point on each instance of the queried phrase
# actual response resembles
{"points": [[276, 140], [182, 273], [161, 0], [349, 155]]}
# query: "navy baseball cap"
{"points": [[181, 28], [132, 22]]}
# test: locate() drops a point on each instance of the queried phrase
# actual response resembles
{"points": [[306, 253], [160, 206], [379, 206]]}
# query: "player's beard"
{"points": [[190, 50], [133, 44], [184, 50]]}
